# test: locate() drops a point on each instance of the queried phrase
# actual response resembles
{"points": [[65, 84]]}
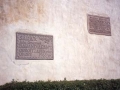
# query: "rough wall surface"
{"points": [[77, 54]]}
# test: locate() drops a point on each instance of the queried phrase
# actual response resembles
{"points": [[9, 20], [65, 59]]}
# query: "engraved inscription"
{"points": [[34, 47], [99, 25]]}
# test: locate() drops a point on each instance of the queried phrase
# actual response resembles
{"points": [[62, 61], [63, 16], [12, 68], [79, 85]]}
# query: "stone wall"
{"points": [[77, 53]]}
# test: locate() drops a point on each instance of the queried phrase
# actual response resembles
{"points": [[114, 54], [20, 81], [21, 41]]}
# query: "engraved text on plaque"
{"points": [[34, 46], [99, 25]]}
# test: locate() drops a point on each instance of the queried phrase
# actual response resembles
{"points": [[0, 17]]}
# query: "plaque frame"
{"points": [[98, 32], [22, 58]]}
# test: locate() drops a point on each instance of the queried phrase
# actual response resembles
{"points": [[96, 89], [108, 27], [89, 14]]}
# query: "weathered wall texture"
{"points": [[77, 54]]}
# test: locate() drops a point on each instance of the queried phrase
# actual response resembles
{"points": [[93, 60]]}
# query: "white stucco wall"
{"points": [[77, 54]]}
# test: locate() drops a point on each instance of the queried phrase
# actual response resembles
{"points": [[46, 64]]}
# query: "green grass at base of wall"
{"points": [[64, 85]]}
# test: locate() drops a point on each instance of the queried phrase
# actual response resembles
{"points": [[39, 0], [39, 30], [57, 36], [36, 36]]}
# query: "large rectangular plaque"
{"points": [[99, 25], [34, 46]]}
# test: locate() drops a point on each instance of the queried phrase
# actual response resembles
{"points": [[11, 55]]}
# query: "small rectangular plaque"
{"points": [[34, 46], [99, 25]]}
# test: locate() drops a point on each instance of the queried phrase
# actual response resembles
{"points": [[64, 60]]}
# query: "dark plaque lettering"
{"points": [[34, 46], [99, 25]]}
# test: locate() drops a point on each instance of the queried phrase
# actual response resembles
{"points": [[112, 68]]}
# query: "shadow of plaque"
{"points": [[99, 25], [34, 47]]}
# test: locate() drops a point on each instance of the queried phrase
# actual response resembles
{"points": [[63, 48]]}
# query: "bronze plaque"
{"points": [[34, 46], [99, 25]]}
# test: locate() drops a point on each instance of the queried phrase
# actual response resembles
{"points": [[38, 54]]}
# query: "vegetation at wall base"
{"points": [[101, 84]]}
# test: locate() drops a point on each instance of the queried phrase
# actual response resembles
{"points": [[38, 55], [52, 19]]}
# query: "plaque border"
{"points": [[35, 35], [95, 33]]}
